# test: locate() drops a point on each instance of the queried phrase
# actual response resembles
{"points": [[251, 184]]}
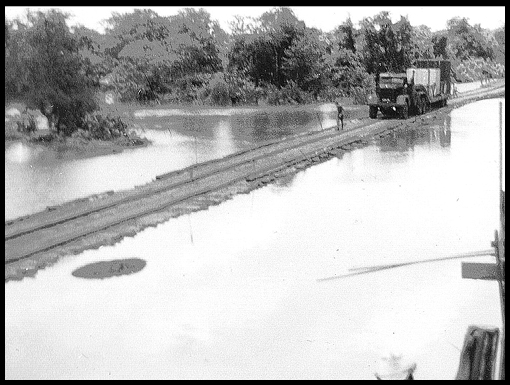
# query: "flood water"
{"points": [[237, 291], [36, 178]]}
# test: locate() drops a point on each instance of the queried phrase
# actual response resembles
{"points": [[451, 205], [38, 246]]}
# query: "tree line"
{"points": [[189, 58]]}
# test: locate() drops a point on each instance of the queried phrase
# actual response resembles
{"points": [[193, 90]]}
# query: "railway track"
{"points": [[43, 231], [57, 226], [55, 215]]}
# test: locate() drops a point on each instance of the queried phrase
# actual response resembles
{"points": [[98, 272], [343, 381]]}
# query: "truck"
{"points": [[415, 91]]}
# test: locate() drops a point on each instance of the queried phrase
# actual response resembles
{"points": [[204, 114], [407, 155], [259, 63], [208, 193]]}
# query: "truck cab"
{"points": [[394, 95]]}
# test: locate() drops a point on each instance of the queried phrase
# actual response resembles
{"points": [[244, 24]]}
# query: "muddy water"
{"points": [[235, 292], [35, 179]]}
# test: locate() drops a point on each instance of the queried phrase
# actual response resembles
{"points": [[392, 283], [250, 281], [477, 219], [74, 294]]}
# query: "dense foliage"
{"points": [[188, 58], [48, 73]]}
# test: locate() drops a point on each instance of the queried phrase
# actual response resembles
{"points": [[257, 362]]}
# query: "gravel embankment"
{"points": [[101, 220]]}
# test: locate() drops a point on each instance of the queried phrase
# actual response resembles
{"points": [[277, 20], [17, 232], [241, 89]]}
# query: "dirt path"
{"points": [[38, 240]]}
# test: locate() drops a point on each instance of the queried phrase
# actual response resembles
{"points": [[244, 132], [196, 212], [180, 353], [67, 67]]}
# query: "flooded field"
{"points": [[36, 178], [238, 291]]}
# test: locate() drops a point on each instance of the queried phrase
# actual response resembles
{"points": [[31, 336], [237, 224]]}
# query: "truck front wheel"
{"points": [[372, 112]]}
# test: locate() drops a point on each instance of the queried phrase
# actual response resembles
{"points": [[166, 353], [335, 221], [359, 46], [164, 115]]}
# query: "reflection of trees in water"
{"points": [[403, 140], [260, 124], [195, 125], [279, 124], [252, 127]]}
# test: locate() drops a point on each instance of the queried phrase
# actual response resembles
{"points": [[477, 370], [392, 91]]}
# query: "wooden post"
{"points": [[500, 146], [319, 119], [500, 247]]}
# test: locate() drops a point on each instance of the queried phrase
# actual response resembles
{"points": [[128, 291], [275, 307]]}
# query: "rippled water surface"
{"points": [[237, 291], [35, 179]]}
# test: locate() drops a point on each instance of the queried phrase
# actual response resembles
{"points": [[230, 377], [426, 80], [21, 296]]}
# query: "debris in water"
{"points": [[107, 269]]}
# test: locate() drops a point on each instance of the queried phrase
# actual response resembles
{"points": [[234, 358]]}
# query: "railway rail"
{"points": [[57, 226], [54, 227]]}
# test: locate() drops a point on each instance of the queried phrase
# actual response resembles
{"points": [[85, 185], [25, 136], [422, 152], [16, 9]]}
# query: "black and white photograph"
{"points": [[255, 192]]}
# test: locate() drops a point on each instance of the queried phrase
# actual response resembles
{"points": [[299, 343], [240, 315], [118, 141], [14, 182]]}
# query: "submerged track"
{"points": [[57, 226]]}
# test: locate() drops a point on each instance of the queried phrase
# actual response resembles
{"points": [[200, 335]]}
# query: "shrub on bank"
{"points": [[103, 128], [95, 128], [219, 94], [27, 124], [290, 94]]}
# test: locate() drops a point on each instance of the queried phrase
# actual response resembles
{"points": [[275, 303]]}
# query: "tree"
{"points": [[439, 46], [347, 74], [55, 79], [499, 36], [423, 47], [138, 56], [303, 61], [388, 46], [466, 41], [281, 28], [345, 35], [13, 75], [158, 55]]}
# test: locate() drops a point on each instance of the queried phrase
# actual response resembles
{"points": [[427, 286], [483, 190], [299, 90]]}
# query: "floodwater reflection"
{"points": [[406, 139], [232, 292], [36, 178]]}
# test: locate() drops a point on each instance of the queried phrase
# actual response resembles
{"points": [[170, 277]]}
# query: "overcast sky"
{"points": [[323, 17]]}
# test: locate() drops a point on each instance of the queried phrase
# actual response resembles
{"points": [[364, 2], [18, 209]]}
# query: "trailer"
{"points": [[435, 76]]}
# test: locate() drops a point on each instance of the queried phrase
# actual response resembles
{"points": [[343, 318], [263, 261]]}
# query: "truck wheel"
{"points": [[404, 112], [372, 112]]}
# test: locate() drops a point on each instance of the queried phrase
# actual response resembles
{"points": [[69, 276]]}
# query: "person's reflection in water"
{"points": [[445, 134]]}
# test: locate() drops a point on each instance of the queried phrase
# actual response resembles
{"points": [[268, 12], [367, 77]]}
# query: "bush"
{"points": [[290, 94], [103, 128], [251, 94], [26, 124], [331, 93], [219, 94], [359, 95]]}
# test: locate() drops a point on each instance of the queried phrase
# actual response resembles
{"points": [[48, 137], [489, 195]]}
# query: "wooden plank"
{"points": [[488, 271]]}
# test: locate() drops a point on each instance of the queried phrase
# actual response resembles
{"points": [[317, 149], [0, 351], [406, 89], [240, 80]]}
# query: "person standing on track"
{"points": [[340, 115]]}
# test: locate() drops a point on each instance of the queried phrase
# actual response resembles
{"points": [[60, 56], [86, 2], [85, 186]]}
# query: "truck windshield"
{"points": [[390, 82]]}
